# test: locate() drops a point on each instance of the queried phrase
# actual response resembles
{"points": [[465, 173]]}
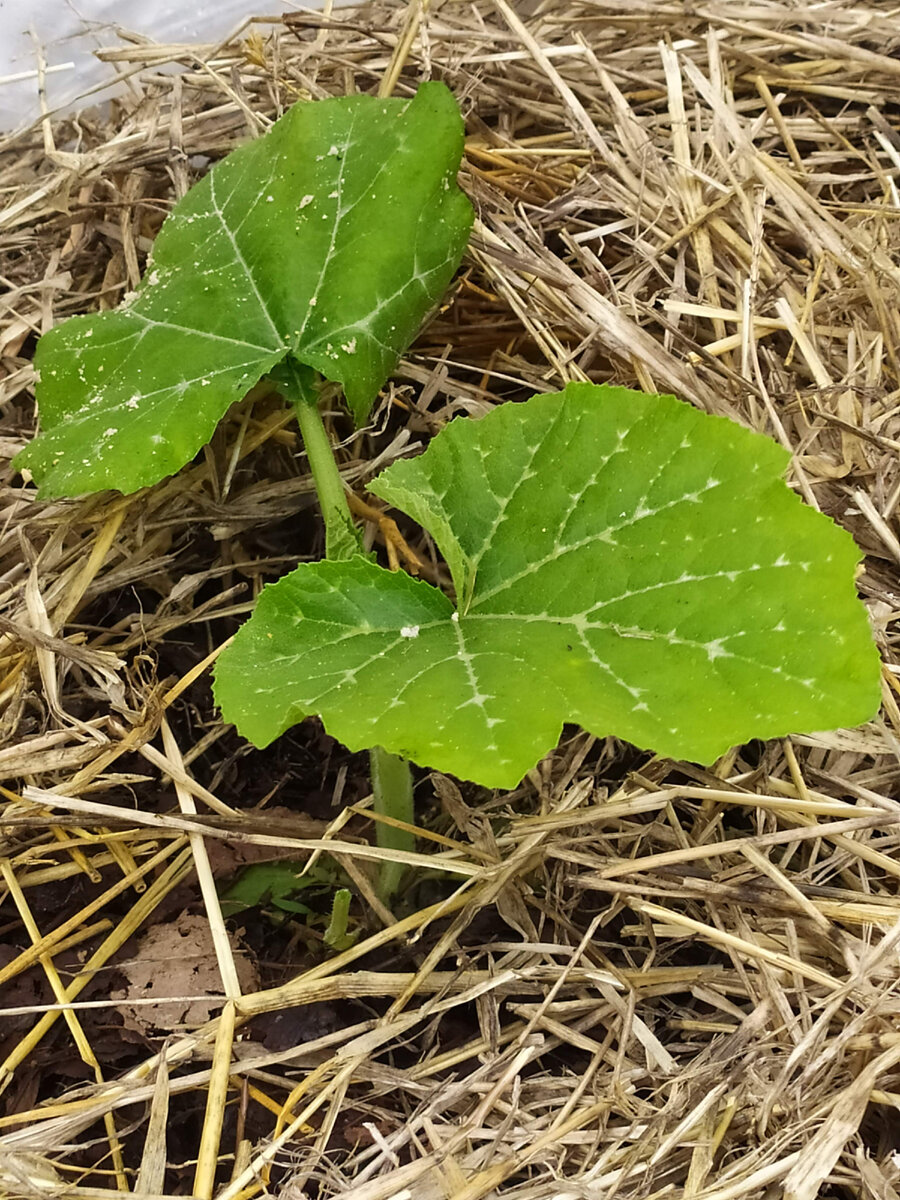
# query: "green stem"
{"points": [[391, 775], [392, 792], [336, 935], [341, 537]]}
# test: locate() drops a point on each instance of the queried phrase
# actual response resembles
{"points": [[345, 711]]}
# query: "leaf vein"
{"points": [[244, 265]]}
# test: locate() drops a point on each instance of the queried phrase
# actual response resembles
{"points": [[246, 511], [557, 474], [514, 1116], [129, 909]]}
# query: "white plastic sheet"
{"points": [[70, 30]]}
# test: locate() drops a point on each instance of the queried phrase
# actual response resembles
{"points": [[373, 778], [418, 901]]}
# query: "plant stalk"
{"points": [[392, 792], [392, 789], [341, 537]]}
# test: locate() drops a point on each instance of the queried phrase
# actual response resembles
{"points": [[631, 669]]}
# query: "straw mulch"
{"points": [[631, 977]]}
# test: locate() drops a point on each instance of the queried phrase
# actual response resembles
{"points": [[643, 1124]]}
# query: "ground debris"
{"points": [[176, 963]]}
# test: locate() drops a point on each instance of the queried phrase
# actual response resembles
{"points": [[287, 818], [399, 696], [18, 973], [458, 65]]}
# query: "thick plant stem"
{"points": [[391, 775], [341, 538], [393, 795]]}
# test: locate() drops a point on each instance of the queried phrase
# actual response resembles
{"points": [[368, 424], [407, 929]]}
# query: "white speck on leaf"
{"points": [[716, 649], [307, 199], [409, 631]]}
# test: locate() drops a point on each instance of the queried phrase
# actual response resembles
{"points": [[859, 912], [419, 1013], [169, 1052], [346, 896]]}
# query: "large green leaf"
{"points": [[622, 561], [329, 238]]}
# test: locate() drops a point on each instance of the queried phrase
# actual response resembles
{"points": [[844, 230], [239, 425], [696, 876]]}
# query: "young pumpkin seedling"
{"points": [[619, 560], [313, 252]]}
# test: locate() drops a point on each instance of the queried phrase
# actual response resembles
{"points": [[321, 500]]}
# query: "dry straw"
{"points": [[634, 978]]}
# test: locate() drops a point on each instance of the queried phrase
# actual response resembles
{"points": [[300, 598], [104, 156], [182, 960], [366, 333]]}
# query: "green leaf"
{"points": [[329, 238], [623, 561], [267, 883]]}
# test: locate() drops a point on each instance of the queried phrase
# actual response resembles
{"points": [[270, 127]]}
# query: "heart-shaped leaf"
{"points": [[328, 239], [622, 561]]}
